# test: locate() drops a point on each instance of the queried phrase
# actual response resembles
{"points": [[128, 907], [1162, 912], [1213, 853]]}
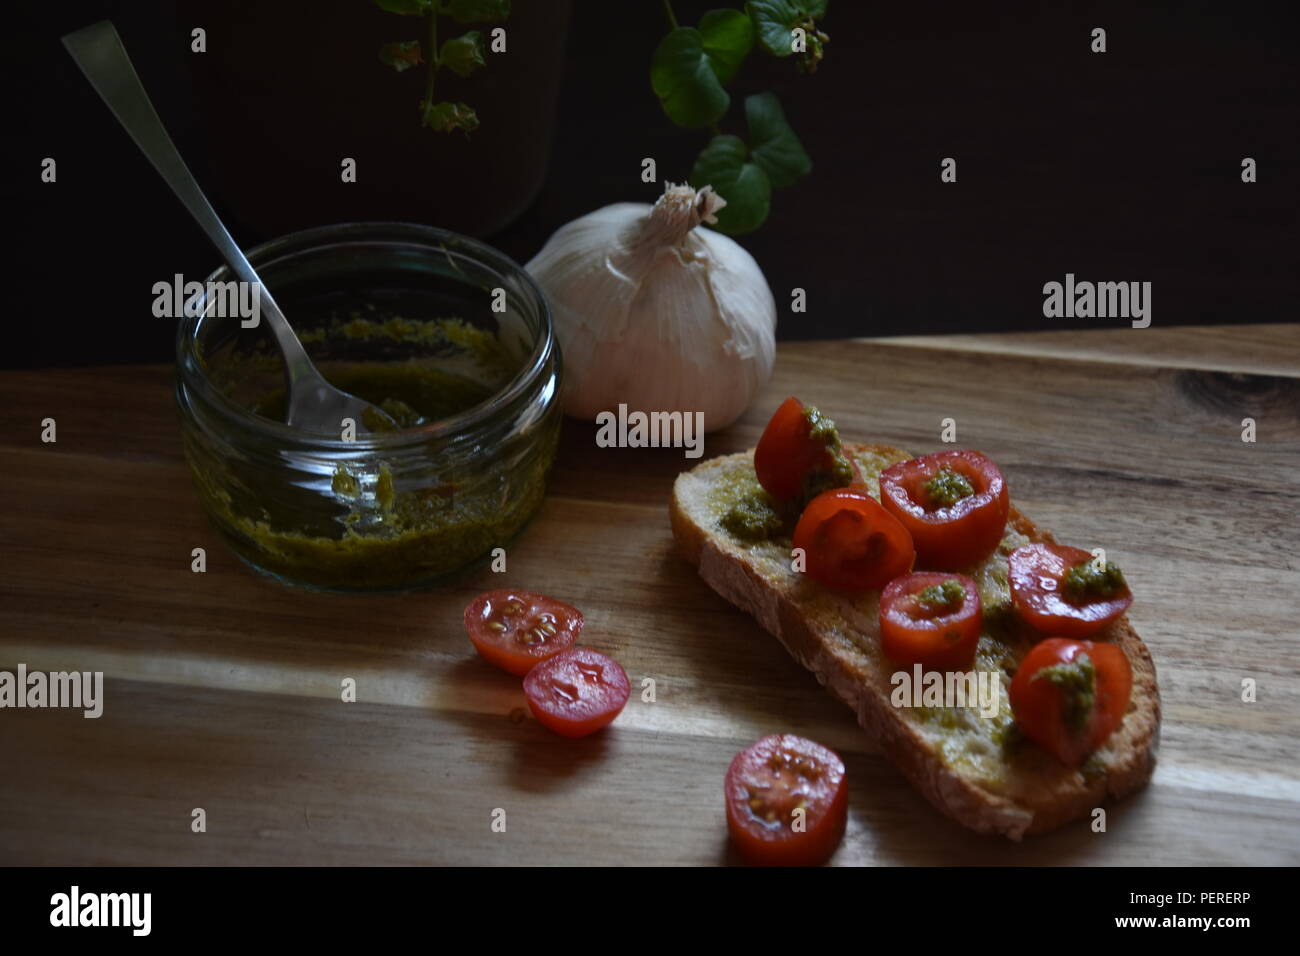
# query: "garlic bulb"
{"points": [[653, 313]]}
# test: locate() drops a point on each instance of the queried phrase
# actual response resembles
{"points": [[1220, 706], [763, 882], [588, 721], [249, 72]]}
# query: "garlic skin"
{"points": [[657, 314]]}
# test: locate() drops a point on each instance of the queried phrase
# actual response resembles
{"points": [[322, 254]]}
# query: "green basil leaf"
{"points": [[773, 144], [416, 7], [476, 11], [776, 18], [400, 56], [445, 117], [724, 165], [728, 36], [683, 78], [463, 54]]}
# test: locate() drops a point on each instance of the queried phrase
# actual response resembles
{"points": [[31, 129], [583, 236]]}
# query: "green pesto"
{"points": [[753, 518], [458, 366], [344, 483], [1088, 582], [836, 471], [947, 487], [1077, 682], [821, 428], [436, 529], [446, 336], [431, 529], [412, 395], [941, 597], [747, 511]]}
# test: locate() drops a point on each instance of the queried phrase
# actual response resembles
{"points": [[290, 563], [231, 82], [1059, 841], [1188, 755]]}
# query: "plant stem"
{"points": [[668, 9], [433, 59]]}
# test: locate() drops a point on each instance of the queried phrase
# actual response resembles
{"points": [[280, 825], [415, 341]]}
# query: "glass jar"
{"points": [[456, 330]]}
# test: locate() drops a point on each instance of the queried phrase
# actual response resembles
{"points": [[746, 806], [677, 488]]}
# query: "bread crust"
{"points": [[1066, 797]]}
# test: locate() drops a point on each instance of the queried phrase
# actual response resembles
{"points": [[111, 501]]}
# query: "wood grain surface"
{"points": [[222, 689]]}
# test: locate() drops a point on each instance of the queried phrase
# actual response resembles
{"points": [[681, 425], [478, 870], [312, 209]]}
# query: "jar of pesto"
{"points": [[449, 336]]}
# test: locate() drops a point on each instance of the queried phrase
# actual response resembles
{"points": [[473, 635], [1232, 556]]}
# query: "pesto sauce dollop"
{"points": [[835, 472], [753, 518], [1077, 682], [941, 597], [947, 487], [1087, 582]]}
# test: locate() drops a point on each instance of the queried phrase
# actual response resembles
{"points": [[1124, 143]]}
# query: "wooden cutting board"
{"points": [[223, 690]]}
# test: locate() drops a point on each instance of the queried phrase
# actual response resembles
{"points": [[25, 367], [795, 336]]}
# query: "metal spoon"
{"points": [[314, 404]]}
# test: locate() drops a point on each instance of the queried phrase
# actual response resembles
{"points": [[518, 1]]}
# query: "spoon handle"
{"points": [[99, 52]]}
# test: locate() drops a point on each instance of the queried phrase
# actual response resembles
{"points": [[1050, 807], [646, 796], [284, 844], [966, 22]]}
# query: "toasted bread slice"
{"points": [[978, 770]]}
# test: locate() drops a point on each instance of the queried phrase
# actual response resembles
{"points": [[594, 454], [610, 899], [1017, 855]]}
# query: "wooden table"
{"points": [[223, 689]]}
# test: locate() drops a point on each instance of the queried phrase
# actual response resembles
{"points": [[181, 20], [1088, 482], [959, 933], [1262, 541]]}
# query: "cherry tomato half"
{"points": [[577, 691], [851, 542], [1040, 594], [1058, 710], [768, 784], [953, 503], [516, 629], [787, 453], [930, 618]]}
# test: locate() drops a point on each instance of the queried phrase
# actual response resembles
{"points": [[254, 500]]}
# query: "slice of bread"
{"points": [[979, 770]]}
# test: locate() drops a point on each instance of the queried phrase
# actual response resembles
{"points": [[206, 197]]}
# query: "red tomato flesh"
{"points": [[937, 635], [1043, 710], [948, 536], [577, 692], [787, 801], [516, 629], [850, 542], [1037, 590]]}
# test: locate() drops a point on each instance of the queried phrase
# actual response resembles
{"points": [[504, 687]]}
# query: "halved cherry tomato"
{"points": [[577, 691], [768, 783], [515, 629], [1038, 591], [955, 529], [1057, 710], [928, 621], [851, 542], [787, 453]]}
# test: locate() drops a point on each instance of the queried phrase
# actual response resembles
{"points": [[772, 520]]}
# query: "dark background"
{"points": [[1115, 166]]}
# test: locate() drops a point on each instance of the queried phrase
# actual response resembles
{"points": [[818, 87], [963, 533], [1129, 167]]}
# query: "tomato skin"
{"points": [[785, 453], [525, 638], [1037, 572], [943, 641], [957, 536], [1038, 705], [577, 692], [851, 542], [779, 772]]}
